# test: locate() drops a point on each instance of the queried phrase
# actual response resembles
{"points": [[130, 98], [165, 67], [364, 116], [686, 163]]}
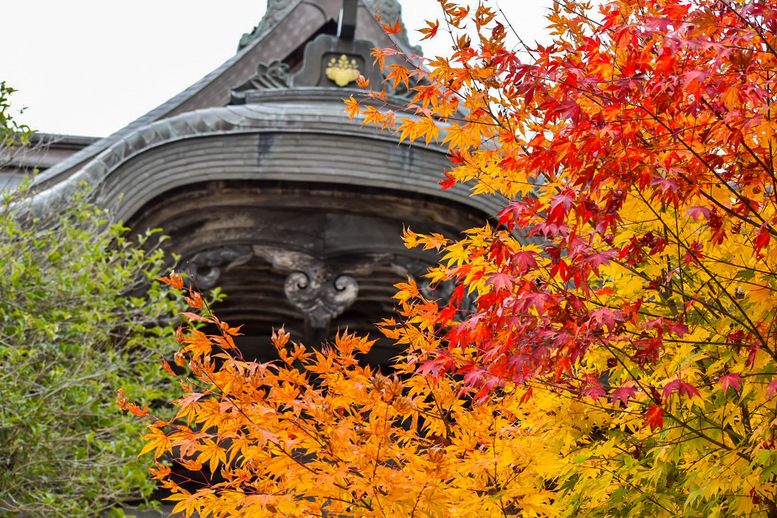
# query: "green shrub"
{"points": [[12, 133], [79, 318]]}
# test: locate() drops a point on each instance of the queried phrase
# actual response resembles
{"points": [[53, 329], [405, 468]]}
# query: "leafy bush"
{"points": [[12, 133], [79, 318]]}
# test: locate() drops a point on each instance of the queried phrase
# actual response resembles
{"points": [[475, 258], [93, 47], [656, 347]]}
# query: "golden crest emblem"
{"points": [[342, 71]]}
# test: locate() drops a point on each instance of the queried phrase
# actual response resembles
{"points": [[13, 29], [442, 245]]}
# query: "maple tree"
{"points": [[316, 433], [610, 347]]}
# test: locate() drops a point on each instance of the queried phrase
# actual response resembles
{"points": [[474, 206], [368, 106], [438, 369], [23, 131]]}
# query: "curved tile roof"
{"points": [[290, 136]]}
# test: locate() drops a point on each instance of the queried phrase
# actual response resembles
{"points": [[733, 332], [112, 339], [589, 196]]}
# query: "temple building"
{"points": [[266, 187]]}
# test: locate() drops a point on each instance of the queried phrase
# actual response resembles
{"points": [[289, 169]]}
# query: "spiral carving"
{"points": [[320, 295]]}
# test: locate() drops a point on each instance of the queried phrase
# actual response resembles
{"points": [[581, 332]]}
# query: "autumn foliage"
{"points": [[319, 434], [610, 348]]}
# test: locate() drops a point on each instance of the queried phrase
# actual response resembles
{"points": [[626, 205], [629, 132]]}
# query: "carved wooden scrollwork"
{"points": [[320, 294], [317, 290], [206, 266]]}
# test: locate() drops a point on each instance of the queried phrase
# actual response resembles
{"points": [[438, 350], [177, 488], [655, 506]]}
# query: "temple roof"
{"points": [[282, 34]]}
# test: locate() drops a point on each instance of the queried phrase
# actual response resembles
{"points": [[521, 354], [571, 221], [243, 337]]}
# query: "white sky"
{"points": [[89, 67]]}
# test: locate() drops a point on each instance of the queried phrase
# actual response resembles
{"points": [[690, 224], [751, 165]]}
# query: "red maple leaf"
{"points": [[525, 261], [730, 380], [761, 239], [684, 389], [501, 281], [623, 394], [449, 181], [654, 417], [772, 388]]}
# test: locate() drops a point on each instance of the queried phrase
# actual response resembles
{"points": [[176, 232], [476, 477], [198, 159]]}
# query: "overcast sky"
{"points": [[89, 67]]}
